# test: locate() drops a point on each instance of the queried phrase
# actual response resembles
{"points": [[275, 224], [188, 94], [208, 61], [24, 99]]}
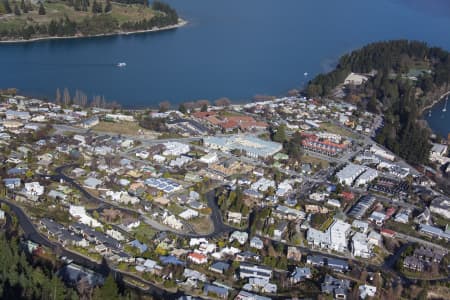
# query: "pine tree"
{"points": [[109, 290], [42, 9], [58, 97], [17, 10], [7, 7], [108, 6], [182, 109]]}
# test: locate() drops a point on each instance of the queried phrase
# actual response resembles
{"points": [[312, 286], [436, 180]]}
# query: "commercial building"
{"points": [[334, 238], [250, 145], [349, 173]]}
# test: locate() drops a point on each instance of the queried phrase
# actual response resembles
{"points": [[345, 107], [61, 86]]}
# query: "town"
{"points": [[283, 197]]}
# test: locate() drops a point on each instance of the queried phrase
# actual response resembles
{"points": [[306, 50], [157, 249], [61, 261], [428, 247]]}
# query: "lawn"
{"points": [[307, 159], [58, 9], [126, 128], [144, 233], [202, 225], [331, 128]]}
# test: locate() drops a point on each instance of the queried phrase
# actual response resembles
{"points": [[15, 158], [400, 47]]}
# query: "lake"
{"points": [[438, 119], [229, 48]]}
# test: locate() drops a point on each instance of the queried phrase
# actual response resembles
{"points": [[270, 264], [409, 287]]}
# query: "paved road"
{"points": [[32, 233], [219, 227]]}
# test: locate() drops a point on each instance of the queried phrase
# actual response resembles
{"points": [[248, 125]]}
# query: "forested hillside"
{"points": [[404, 76]]}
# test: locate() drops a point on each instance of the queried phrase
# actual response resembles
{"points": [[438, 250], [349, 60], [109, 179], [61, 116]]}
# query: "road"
{"points": [[32, 233], [219, 227]]}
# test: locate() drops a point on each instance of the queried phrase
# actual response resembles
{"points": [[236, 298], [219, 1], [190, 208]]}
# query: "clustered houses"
{"points": [[422, 259], [159, 184], [324, 144]]}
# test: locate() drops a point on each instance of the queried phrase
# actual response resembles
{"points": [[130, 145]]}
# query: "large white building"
{"points": [[360, 245], [334, 238], [175, 149], [349, 173], [250, 145], [366, 177], [79, 212]]}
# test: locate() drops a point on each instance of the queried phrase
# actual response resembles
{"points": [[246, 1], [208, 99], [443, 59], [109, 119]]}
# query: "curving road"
{"points": [[32, 233], [216, 217]]}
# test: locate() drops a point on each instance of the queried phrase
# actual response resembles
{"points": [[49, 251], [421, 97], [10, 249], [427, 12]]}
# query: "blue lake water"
{"points": [[230, 48], [438, 119]]}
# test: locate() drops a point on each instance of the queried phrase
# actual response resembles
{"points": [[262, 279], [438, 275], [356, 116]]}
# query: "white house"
{"points": [[175, 149], [209, 158], [33, 189], [355, 79], [256, 243], [188, 214], [240, 236], [79, 212], [173, 222]]}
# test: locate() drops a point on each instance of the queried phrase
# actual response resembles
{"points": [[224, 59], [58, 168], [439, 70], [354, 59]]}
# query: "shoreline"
{"points": [[435, 102], [181, 23]]}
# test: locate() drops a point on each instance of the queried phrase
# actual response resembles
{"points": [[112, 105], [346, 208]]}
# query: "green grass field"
{"points": [[56, 10]]}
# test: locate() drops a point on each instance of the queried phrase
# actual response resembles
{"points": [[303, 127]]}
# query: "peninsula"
{"points": [[36, 20]]}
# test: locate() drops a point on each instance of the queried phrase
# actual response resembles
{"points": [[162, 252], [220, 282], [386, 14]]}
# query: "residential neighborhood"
{"points": [[255, 201]]}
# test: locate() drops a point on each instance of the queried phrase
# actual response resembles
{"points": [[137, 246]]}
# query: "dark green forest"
{"points": [[391, 92]]}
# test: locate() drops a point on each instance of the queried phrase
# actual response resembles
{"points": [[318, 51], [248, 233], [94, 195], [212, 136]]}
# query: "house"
{"points": [[209, 158], [234, 217], [259, 284], [247, 270], [441, 206], [188, 214], [12, 183], [219, 267], [197, 258], [300, 274], [216, 291], [377, 218], [240, 236], [78, 172], [2, 214], [89, 123], [244, 295], [367, 291], [79, 212], [173, 222], [413, 263], [337, 287], [92, 183], [138, 245], [33, 189], [434, 232], [279, 230], [355, 79], [294, 253], [256, 243]]}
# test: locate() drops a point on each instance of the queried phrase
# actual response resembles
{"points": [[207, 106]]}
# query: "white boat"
{"points": [[121, 64], [305, 74], [445, 105]]}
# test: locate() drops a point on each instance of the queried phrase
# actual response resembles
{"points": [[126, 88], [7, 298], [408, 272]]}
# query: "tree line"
{"points": [[79, 98]]}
